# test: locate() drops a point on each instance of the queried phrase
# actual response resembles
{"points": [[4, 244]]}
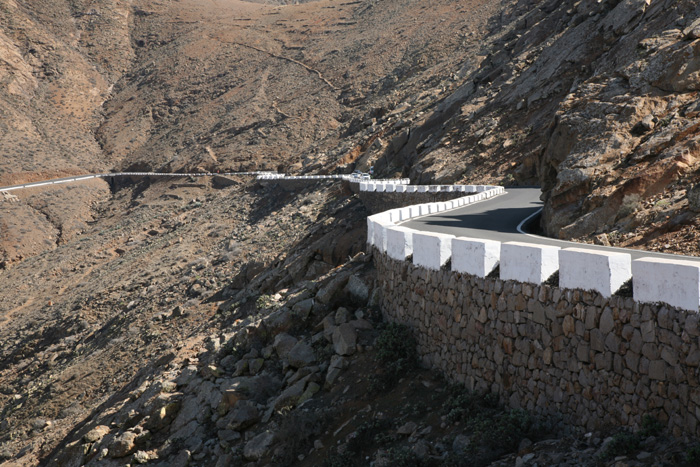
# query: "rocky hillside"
{"points": [[594, 101], [202, 320]]}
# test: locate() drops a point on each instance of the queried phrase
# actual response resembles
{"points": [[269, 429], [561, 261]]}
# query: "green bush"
{"points": [[396, 352], [504, 431], [403, 457], [692, 455], [396, 342], [625, 442], [630, 204], [462, 405]]}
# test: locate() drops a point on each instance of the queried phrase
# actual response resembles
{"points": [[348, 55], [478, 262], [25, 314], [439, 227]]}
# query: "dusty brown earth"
{"points": [[106, 290]]}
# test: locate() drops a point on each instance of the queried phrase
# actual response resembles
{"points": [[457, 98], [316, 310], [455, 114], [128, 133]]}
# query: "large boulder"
{"points": [[123, 445], [345, 339], [331, 290], [283, 344], [301, 355], [259, 446], [243, 415], [357, 290], [290, 396]]}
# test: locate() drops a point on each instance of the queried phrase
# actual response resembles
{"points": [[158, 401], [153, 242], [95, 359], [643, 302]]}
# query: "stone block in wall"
{"points": [[475, 256], [526, 262], [431, 250], [676, 282], [602, 271], [399, 242]]}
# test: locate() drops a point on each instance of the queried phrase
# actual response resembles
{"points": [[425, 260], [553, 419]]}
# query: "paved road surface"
{"points": [[498, 219]]}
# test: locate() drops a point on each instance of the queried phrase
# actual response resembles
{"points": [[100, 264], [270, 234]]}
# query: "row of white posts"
{"points": [[672, 281]]}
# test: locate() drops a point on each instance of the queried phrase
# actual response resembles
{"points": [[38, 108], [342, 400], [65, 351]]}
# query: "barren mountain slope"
{"points": [[235, 85], [123, 308], [106, 288], [58, 61], [240, 85]]}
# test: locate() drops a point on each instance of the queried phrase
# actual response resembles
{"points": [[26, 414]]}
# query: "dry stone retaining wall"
{"points": [[592, 360]]}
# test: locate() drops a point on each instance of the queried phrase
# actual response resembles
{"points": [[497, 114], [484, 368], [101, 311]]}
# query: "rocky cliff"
{"points": [[594, 101]]}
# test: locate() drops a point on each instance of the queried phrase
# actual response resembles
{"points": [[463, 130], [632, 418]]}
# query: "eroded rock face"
{"points": [[626, 133]]}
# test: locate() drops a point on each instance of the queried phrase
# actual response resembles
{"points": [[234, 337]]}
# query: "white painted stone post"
{"points": [[399, 242], [381, 222], [401, 188], [415, 210], [431, 250], [526, 262], [475, 256], [602, 271], [676, 282], [404, 214]]}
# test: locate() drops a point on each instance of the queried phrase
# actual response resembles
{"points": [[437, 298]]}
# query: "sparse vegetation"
{"points": [[464, 405], [265, 302], [625, 442], [630, 205], [692, 455], [493, 430], [297, 432], [396, 352]]}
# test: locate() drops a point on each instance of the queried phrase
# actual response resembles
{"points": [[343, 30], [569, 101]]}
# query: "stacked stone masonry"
{"points": [[593, 361]]}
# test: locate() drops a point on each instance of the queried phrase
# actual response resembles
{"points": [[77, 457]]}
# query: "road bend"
{"points": [[502, 218]]}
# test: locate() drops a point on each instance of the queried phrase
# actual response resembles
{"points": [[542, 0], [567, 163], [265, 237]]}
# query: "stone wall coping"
{"points": [[528, 262], [602, 271], [672, 281], [431, 250], [475, 256], [676, 282]]}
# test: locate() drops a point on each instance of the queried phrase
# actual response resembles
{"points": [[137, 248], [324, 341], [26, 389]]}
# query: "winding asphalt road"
{"points": [[501, 218]]}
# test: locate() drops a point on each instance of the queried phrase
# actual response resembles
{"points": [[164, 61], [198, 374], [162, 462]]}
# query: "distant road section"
{"points": [[499, 219], [56, 181]]}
